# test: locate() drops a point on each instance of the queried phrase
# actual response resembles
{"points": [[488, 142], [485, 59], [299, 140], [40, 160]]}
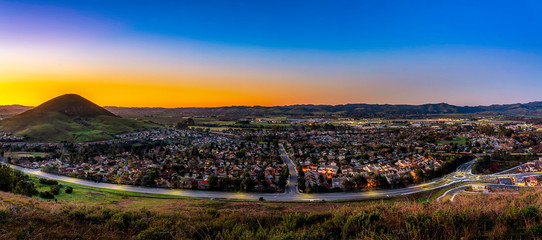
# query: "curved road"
{"points": [[461, 189], [463, 174]]}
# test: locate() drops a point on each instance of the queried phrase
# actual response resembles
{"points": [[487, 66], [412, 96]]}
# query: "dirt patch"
{"points": [[95, 193]]}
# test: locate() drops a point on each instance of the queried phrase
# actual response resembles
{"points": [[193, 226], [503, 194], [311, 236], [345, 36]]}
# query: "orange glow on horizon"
{"points": [[33, 93]]}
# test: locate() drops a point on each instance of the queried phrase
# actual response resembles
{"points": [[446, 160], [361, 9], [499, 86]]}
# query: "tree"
{"points": [[15, 181], [25, 188], [360, 181], [283, 179], [184, 124], [241, 153], [69, 189], [488, 130], [382, 181], [212, 180], [347, 184]]}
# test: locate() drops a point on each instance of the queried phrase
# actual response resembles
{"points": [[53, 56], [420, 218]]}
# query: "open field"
{"points": [[25, 154]]}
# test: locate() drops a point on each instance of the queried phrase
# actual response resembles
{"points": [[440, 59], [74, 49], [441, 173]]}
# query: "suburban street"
{"points": [[291, 188], [462, 175]]}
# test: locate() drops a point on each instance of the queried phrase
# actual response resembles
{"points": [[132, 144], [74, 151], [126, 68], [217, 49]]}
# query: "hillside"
{"points": [[12, 110], [70, 118], [116, 215]]}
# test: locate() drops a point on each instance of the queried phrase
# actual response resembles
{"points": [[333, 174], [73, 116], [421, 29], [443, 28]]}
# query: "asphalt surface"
{"points": [[291, 187], [461, 190], [463, 174]]}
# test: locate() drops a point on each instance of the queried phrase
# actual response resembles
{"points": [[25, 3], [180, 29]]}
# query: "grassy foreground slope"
{"points": [[70, 118], [514, 216]]}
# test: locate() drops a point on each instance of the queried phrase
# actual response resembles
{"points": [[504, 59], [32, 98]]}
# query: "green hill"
{"points": [[70, 118]]}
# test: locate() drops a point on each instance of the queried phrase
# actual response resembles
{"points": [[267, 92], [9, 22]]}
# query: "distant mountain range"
{"points": [[69, 118], [347, 110], [170, 115]]}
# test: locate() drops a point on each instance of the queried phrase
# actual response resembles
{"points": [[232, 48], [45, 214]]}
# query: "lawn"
{"points": [[26, 154], [458, 140], [86, 194]]}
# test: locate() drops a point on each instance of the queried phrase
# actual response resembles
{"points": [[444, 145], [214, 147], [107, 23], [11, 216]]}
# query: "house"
{"points": [[519, 181]]}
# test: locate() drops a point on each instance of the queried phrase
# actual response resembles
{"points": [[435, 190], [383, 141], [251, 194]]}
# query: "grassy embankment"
{"points": [[86, 194], [468, 217]]}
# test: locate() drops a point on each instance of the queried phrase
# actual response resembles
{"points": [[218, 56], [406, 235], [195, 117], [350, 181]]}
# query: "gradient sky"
{"points": [[222, 53]]}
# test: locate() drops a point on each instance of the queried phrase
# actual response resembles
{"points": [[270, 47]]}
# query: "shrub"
{"points": [[123, 220], [360, 222], [420, 225], [4, 215], [69, 189], [535, 231], [25, 188], [157, 233], [79, 214], [48, 181], [47, 194], [293, 221], [55, 189], [530, 212]]}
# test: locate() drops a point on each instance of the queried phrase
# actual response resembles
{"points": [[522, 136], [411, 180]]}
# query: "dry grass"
{"points": [[513, 216]]}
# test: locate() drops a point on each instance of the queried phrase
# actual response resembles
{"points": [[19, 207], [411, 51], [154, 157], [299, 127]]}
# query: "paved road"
{"points": [[461, 189], [291, 188], [463, 174]]}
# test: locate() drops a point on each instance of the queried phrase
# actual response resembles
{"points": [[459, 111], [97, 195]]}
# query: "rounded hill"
{"points": [[72, 105], [70, 118]]}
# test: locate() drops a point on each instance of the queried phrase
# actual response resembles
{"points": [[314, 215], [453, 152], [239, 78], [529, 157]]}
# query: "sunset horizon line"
{"points": [[276, 105]]}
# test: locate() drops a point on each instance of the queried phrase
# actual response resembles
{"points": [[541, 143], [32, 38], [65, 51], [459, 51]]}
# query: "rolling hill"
{"points": [[70, 118], [169, 115], [172, 115]]}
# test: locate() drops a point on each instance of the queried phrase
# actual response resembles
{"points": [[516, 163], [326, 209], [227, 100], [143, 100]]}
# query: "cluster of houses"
{"points": [[187, 163], [393, 153], [534, 180], [531, 166], [8, 137], [248, 159]]}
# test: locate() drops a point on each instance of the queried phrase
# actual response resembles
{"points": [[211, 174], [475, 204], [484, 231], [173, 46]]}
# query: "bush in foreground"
{"points": [[47, 195]]}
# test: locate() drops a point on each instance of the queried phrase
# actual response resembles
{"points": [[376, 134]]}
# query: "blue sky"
{"points": [[461, 52], [329, 25]]}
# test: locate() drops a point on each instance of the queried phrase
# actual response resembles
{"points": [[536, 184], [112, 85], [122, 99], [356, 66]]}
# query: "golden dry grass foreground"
{"points": [[512, 216]]}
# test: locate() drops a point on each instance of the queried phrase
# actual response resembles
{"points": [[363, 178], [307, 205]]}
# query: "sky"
{"points": [[223, 53]]}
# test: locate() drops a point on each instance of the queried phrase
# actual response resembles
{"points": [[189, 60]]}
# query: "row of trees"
{"points": [[283, 179], [489, 163], [16, 182]]}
